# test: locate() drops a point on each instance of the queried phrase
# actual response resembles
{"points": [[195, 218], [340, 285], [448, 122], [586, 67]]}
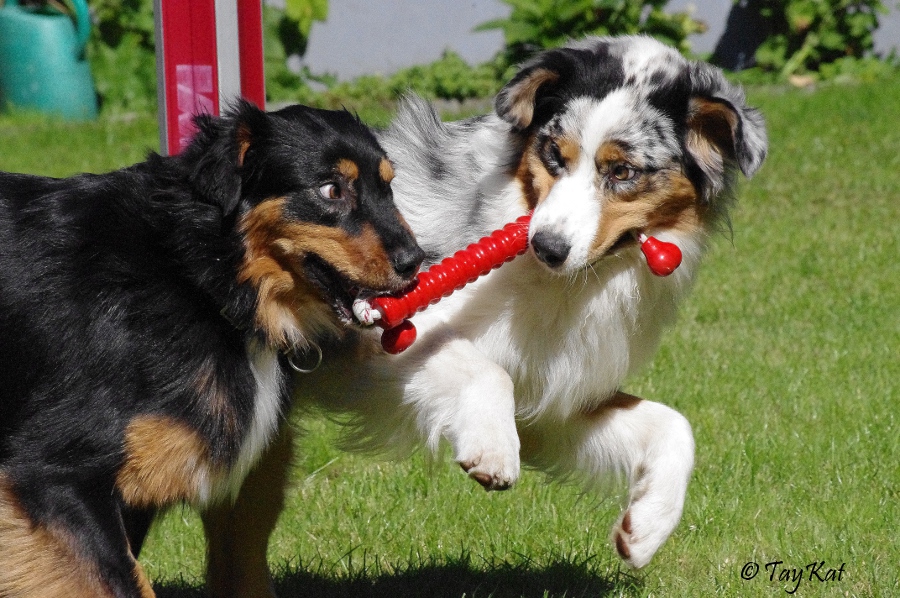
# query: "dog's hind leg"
{"points": [[137, 524], [650, 444], [237, 534], [78, 549]]}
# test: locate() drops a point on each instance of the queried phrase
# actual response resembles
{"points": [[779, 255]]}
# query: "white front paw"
{"points": [[491, 458]]}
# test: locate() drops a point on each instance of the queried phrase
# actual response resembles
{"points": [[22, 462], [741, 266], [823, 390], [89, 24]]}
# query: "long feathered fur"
{"points": [[603, 138]]}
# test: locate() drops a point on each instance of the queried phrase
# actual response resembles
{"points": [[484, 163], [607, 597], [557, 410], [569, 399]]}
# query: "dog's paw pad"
{"points": [[487, 481], [621, 537], [483, 479], [622, 546], [636, 543]]}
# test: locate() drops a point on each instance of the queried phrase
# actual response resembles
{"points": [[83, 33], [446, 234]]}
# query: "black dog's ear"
{"points": [[516, 101], [721, 127], [218, 151]]}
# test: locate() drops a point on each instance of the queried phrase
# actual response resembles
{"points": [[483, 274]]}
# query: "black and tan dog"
{"points": [[148, 320]]}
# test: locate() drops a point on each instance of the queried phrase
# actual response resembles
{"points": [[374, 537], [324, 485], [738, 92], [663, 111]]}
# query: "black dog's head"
{"points": [[309, 193]]}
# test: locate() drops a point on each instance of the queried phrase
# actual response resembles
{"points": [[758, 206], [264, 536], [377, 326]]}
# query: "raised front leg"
{"points": [[461, 395], [237, 535], [651, 445]]}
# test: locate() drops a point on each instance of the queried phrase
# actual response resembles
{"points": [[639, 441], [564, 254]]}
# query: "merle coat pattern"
{"points": [[604, 139]]}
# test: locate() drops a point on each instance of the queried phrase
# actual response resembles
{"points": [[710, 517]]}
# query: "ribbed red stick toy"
{"points": [[469, 264], [442, 279]]}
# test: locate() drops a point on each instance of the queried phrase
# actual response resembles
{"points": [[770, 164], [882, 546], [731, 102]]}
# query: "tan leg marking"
{"points": [[41, 562], [165, 462], [238, 535]]}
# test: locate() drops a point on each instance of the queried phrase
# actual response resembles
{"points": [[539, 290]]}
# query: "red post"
{"points": [[208, 52], [250, 38]]}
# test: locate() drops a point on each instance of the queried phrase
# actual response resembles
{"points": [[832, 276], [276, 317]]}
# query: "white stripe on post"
{"points": [[228, 52]]}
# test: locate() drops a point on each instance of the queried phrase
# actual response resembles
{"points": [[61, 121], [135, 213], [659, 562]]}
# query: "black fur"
{"points": [[117, 289]]}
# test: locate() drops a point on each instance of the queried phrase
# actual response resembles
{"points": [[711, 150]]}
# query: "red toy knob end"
{"points": [[662, 257], [398, 339]]}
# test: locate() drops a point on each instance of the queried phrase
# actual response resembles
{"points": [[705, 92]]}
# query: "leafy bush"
{"points": [[299, 16], [449, 77], [538, 24], [285, 33], [123, 62], [805, 35], [121, 53], [824, 36], [532, 26], [452, 78], [867, 69]]}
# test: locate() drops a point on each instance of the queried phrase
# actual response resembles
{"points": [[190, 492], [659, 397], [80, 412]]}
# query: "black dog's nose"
{"points": [[550, 249], [406, 260]]}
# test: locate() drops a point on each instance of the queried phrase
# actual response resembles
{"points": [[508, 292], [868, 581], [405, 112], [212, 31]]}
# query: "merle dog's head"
{"points": [[309, 192], [624, 136]]}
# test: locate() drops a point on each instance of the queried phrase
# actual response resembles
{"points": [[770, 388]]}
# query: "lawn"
{"points": [[785, 360]]}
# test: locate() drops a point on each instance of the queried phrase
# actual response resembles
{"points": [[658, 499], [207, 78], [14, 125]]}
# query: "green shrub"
{"points": [[449, 77], [285, 33], [828, 37], [539, 24], [807, 34], [123, 62], [532, 26], [299, 16], [121, 53]]}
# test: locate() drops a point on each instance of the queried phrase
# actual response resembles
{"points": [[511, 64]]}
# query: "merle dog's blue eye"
{"points": [[330, 191]]}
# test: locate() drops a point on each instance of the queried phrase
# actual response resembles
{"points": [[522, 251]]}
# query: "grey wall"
{"points": [[382, 36]]}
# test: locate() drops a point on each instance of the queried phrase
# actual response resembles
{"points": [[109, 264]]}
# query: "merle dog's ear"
{"points": [[721, 128], [217, 154], [517, 100]]}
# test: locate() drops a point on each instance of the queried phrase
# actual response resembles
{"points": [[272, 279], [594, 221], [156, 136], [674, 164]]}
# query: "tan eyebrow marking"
{"points": [[386, 170], [348, 169]]}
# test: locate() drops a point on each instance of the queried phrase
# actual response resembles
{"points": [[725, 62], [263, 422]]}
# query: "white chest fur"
{"points": [[567, 342], [267, 404]]}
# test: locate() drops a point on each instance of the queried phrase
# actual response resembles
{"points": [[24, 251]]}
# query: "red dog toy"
{"points": [[393, 312], [662, 257]]}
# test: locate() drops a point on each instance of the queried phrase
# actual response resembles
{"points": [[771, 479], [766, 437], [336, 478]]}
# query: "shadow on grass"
{"points": [[445, 580]]}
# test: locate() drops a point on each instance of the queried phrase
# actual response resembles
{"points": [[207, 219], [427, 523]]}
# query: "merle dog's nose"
{"points": [[406, 260], [550, 249]]}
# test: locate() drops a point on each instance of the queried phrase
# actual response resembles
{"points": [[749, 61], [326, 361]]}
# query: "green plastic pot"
{"points": [[42, 63]]}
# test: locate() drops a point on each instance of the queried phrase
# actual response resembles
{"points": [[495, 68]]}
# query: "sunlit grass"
{"points": [[785, 360]]}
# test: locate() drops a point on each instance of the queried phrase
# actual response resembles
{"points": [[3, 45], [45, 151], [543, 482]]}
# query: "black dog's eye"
{"points": [[622, 172], [331, 191]]}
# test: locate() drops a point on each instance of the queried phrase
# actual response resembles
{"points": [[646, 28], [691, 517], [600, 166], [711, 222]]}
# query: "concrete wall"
{"points": [[382, 36]]}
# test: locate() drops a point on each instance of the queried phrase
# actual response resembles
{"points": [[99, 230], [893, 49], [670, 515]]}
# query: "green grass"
{"points": [[785, 360], [38, 145]]}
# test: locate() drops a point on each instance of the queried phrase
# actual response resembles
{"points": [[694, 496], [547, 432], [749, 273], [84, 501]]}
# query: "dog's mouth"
{"points": [[338, 290], [625, 240], [335, 289]]}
